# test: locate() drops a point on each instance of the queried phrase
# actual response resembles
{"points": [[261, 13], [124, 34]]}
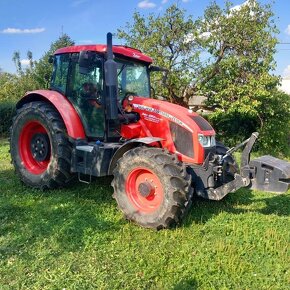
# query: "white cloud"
{"points": [[205, 35], [164, 1], [288, 29], [190, 37], [146, 4], [10, 30], [25, 62], [286, 71], [239, 7], [185, 1]]}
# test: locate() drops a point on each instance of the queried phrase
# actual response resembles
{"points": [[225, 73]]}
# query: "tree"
{"points": [[228, 55], [17, 62], [43, 69], [165, 39], [237, 76], [35, 76]]}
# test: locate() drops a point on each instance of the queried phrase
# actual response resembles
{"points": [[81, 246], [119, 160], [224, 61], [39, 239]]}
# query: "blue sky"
{"points": [[34, 24]]}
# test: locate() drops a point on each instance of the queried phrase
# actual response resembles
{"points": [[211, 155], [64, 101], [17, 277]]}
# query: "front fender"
{"points": [[68, 113], [130, 145]]}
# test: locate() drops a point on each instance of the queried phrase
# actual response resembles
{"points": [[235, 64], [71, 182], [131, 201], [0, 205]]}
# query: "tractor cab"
{"points": [[79, 74]]}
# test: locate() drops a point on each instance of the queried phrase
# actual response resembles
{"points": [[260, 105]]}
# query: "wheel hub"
{"points": [[40, 147], [146, 189]]}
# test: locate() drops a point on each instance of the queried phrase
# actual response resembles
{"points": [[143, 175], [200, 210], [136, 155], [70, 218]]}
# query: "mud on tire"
{"points": [[152, 187], [39, 147]]}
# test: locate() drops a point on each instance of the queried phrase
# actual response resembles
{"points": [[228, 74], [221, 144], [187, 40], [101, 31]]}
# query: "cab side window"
{"points": [[60, 72]]}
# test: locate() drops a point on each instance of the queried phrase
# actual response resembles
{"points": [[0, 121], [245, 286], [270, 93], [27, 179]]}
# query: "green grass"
{"points": [[76, 238]]}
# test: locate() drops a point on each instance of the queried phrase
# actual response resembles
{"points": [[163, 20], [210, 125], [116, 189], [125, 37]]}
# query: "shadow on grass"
{"points": [[186, 285], [242, 201]]}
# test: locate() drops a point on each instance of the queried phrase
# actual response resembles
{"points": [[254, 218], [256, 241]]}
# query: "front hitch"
{"points": [[240, 180]]}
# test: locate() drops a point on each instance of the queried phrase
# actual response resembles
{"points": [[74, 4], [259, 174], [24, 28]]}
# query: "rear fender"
{"points": [[68, 113], [128, 146]]}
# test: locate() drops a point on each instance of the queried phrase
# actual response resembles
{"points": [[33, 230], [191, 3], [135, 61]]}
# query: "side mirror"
{"points": [[165, 72], [86, 60], [50, 59]]}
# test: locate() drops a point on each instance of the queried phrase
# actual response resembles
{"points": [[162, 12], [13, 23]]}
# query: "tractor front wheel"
{"points": [[152, 188], [39, 147]]}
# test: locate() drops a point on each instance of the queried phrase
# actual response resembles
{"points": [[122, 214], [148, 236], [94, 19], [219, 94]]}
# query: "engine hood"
{"points": [[156, 111], [178, 127]]}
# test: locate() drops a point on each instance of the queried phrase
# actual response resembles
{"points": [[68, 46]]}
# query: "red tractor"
{"points": [[98, 119]]}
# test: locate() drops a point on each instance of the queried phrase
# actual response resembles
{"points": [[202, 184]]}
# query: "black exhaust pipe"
{"points": [[111, 79]]}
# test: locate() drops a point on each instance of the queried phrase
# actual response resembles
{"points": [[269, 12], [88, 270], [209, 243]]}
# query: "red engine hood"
{"points": [[155, 119], [172, 112]]}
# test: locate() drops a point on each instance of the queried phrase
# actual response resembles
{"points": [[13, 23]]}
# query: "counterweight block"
{"points": [[270, 174]]}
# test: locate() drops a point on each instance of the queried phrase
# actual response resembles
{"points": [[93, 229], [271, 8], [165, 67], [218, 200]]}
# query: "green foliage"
{"points": [[43, 69], [8, 87], [35, 76], [166, 39], [269, 115], [275, 132], [7, 111], [226, 55], [237, 76], [76, 238]]}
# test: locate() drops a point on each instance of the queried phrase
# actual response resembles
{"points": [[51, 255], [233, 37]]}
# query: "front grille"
{"points": [[182, 139]]}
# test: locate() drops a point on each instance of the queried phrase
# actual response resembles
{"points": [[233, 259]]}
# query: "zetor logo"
{"points": [[136, 55]]}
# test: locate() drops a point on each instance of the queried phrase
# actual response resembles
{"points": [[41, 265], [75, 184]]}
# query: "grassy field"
{"points": [[76, 238]]}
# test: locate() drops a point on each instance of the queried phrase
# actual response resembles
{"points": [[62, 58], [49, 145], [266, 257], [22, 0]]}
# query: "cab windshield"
{"points": [[133, 79]]}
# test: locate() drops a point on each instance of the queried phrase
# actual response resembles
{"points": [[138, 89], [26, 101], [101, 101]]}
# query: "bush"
{"points": [[271, 120], [7, 111]]}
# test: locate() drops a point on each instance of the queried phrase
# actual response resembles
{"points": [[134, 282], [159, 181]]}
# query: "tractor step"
{"points": [[93, 159], [270, 174], [86, 148]]}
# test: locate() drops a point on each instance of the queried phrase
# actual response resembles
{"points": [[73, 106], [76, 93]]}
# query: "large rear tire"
{"points": [[152, 188], [39, 147]]}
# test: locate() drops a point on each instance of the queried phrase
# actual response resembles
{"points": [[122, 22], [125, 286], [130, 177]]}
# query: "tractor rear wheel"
{"points": [[152, 188], [39, 147]]}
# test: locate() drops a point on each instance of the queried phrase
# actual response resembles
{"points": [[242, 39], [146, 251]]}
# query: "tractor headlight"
{"points": [[206, 141]]}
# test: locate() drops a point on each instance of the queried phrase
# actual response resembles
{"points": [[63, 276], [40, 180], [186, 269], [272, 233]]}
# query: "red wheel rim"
{"points": [[27, 137], [144, 190]]}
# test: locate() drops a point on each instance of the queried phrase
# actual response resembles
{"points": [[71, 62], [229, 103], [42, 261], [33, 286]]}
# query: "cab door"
{"points": [[85, 91]]}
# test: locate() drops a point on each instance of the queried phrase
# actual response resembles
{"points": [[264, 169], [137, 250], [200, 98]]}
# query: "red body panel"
{"points": [[69, 115], [121, 50], [155, 118]]}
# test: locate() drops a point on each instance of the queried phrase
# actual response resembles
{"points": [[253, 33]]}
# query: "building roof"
{"points": [[197, 101]]}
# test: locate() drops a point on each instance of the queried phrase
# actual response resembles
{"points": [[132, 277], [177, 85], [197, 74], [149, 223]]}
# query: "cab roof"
{"points": [[101, 48]]}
